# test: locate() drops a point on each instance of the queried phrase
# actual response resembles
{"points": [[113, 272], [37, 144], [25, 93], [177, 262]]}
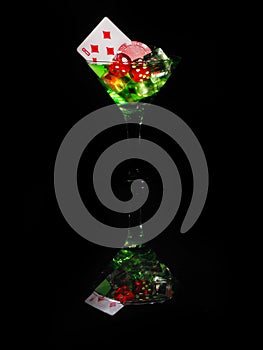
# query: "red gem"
{"points": [[120, 66]]}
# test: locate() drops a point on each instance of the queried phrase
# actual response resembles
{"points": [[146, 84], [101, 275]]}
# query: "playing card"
{"points": [[107, 305], [102, 43]]}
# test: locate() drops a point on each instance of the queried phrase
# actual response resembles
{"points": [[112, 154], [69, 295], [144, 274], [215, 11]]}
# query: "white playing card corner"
{"points": [[101, 45]]}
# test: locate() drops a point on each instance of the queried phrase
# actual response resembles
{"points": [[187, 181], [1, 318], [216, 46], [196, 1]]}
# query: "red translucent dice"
{"points": [[120, 66], [139, 71], [123, 294]]}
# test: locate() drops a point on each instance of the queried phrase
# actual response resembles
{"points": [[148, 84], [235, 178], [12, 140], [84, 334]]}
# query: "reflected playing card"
{"points": [[107, 305]]}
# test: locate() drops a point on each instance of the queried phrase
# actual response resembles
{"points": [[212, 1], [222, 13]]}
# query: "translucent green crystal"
{"points": [[131, 267], [135, 275], [125, 90]]}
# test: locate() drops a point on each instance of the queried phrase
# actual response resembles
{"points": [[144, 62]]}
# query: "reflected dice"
{"points": [[143, 289], [123, 294]]}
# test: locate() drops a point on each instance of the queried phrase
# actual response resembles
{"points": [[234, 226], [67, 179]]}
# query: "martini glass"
{"points": [[135, 275]]}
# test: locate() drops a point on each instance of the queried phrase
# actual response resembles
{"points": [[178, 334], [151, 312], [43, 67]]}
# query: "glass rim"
{"points": [[171, 59]]}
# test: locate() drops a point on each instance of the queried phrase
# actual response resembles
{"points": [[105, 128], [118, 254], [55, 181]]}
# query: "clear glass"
{"points": [[135, 275]]}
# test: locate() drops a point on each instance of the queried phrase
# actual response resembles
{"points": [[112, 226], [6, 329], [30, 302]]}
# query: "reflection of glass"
{"points": [[135, 275]]}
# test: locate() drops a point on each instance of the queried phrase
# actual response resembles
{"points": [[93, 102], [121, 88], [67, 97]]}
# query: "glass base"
{"points": [[137, 277]]}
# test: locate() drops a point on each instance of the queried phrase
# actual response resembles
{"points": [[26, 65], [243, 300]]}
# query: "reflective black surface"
{"points": [[62, 265]]}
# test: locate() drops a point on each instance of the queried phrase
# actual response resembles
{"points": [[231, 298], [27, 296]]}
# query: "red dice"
{"points": [[123, 294], [120, 66], [139, 71], [143, 289]]}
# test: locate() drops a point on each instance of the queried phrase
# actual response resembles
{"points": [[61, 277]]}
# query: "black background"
{"points": [[64, 266]]}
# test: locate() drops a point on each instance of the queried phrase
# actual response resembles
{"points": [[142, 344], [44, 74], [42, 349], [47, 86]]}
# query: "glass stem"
{"points": [[133, 114]]}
